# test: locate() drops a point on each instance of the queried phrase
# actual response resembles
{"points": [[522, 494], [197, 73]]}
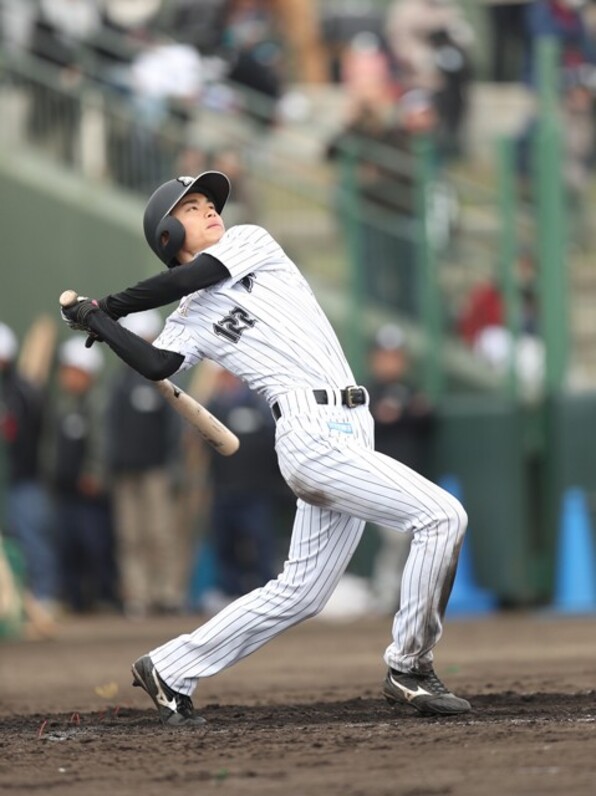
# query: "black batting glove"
{"points": [[76, 316]]}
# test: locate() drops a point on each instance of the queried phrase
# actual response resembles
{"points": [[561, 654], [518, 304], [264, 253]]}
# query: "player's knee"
{"points": [[456, 517], [462, 515]]}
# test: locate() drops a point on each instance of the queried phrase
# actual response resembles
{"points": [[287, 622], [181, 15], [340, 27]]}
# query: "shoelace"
{"points": [[435, 685]]}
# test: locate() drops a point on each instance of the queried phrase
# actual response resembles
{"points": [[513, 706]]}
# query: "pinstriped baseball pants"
{"points": [[326, 455]]}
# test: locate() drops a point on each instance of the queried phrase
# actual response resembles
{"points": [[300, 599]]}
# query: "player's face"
{"points": [[202, 223]]}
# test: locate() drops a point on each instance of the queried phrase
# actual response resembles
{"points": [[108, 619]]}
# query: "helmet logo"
{"points": [[186, 181]]}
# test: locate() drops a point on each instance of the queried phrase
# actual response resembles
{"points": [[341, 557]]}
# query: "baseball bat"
{"points": [[209, 427]]}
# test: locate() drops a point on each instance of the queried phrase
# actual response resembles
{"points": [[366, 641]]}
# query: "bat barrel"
{"points": [[209, 427]]}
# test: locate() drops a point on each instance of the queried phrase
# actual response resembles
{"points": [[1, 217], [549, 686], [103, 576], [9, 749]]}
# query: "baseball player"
{"points": [[244, 304]]}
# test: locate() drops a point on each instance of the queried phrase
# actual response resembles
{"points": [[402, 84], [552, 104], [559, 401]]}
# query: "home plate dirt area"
{"points": [[304, 715]]}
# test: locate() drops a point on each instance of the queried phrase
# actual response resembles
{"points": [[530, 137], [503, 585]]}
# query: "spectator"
{"points": [[483, 307], [76, 468], [126, 25], [244, 497], [383, 134], [567, 22], [22, 420], [520, 348], [366, 70], [130, 16], [62, 28], [507, 31], [17, 19], [163, 86], [252, 47], [576, 123], [404, 421], [195, 23], [430, 41], [166, 78], [564, 21], [497, 346], [143, 441]]}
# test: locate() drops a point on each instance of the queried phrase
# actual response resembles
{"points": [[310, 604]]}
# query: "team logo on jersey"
{"points": [[233, 325], [186, 181]]}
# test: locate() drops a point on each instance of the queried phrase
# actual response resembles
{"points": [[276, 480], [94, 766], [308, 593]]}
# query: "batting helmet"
{"points": [[157, 219]]}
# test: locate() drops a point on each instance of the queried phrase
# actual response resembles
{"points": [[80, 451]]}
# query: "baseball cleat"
{"points": [[423, 691], [173, 708]]}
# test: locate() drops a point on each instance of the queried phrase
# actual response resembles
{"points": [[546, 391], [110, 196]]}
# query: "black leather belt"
{"points": [[350, 397]]}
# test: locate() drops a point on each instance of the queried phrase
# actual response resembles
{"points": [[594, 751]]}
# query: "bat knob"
{"points": [[68, 298]]}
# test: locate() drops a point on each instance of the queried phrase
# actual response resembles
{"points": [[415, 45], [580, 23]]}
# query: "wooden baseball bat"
{"points": [[209, 427]]}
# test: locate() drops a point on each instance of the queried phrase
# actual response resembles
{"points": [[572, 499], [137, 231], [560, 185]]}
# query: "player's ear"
{"points": [[169, 236]]}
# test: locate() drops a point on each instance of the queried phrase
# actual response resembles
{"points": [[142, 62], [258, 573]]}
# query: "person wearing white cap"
{"points": [[143, 447], [8, 344], [73, 354], [76, 472], [27, 508]]}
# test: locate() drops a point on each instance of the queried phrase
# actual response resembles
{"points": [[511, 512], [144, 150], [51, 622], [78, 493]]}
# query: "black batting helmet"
{"points": [[157, 218]]}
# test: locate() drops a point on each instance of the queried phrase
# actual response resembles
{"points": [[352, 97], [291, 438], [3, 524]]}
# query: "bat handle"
{"points": [[68, 298]]}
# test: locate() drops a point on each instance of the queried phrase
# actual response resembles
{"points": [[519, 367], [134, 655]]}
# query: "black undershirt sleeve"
{"points": [[151, 362], [166, 287], [157, 291]]}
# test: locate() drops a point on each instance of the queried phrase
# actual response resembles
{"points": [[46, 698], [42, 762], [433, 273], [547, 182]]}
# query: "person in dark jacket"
{"points": [[76, 471], [143, 439], [27, 507], [244, 496]]}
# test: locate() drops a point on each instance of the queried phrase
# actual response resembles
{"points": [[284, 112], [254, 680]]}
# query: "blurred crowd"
{"points": [[405, 68], [110, 499], [167, 56]]}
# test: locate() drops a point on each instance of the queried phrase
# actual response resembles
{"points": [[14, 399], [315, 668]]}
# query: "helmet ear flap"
{"points": [[169, 239]]}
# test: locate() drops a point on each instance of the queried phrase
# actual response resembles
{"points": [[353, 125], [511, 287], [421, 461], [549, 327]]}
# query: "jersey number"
{"points": [[233, 324]]}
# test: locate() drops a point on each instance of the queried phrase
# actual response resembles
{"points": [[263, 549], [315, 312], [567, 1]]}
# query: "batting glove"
{"points": [[76, 316]]}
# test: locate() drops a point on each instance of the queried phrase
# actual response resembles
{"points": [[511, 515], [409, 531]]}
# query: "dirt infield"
{"points": [[304, 714]]}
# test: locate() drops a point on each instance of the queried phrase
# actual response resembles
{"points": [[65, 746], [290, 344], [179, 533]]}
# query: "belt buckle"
{"points": [[351, 396]]}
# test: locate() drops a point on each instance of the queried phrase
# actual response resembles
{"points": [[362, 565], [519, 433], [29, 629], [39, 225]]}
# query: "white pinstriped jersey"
{"points": [[263, 323]]}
